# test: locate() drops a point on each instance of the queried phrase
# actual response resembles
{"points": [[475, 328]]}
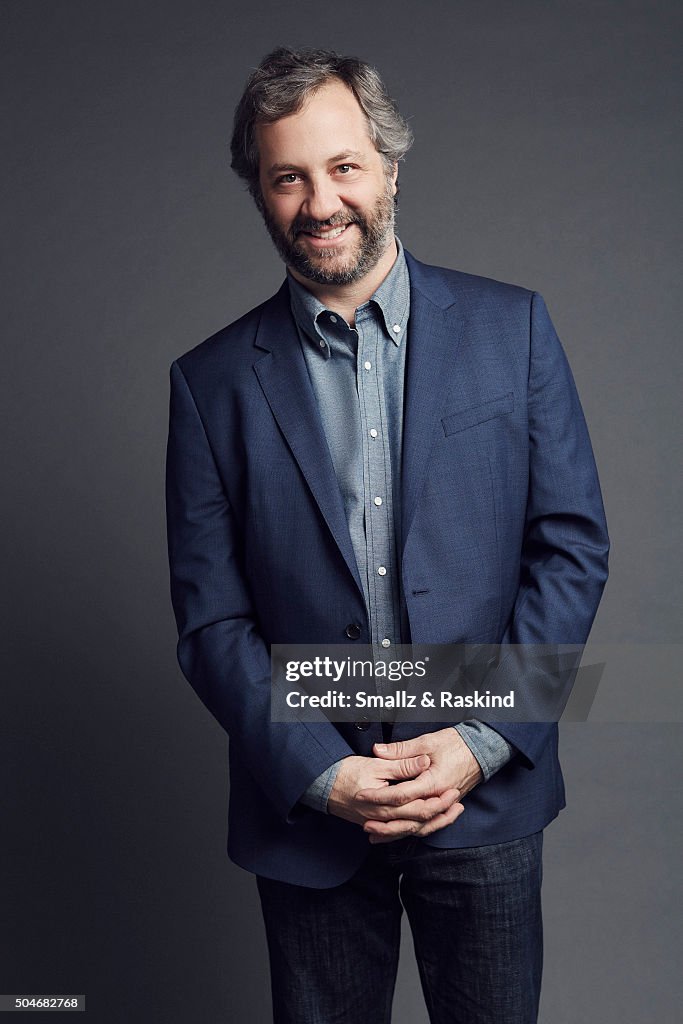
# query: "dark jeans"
{"points": [[475, 916]]}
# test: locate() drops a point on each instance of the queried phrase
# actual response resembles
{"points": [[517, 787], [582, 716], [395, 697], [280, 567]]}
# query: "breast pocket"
{"points": [[475, 414]]}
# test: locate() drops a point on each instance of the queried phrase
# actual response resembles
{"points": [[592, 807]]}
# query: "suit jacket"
{"points": [[503, 540]]}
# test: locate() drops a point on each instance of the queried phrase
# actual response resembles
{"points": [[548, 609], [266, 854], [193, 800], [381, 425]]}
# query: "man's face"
{"points": [[326, 197]]}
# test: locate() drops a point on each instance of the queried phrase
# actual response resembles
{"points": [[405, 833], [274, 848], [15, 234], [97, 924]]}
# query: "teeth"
{"points": [[334, 233]]}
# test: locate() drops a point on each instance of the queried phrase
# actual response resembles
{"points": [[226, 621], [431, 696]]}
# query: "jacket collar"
{"points": [[434, 332]]}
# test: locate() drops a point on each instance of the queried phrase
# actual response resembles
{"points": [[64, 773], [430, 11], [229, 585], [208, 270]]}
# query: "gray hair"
{"points": [[282, 83]]}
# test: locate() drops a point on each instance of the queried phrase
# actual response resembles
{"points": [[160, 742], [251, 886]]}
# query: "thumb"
{"points": [[406, 767]]}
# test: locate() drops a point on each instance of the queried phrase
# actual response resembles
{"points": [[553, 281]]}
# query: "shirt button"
{"points": [[362, 724], [386, 642], [367, 365], [333, 320], [322, 344], [396, 328], [382, 571], [373, 432], [378, 501], [353, 631]]}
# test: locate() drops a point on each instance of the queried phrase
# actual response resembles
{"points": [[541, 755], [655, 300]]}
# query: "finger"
{"points": [[427, 785], [441, 820], [400, 748], [406, 767], [416, 810], [388, 831]]}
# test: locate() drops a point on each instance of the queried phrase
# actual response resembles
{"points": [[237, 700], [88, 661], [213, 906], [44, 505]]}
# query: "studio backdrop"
{"points": [[545, 155]]}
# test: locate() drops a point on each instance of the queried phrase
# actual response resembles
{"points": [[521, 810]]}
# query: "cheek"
{"points": [[364, 196], [284, 210]]}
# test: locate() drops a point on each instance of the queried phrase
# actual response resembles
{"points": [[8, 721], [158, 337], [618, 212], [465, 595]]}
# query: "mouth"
{"points": [[326, 237]]}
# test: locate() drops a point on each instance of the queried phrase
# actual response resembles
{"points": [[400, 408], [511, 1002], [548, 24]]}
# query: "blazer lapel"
{"points": [[434, 331], [283, 376]]}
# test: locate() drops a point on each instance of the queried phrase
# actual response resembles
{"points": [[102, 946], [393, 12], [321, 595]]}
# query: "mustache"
{"points": [[319, 225]]}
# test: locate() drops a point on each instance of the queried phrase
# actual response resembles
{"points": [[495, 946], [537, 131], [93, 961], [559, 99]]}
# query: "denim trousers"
{"points": [[475, 917]]}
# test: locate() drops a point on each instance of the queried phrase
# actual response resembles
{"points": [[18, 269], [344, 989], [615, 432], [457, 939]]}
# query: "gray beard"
{"points": [[376, 233]]}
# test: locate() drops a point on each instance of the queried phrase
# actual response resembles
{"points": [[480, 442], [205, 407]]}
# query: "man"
{"points": [[382, 452]]}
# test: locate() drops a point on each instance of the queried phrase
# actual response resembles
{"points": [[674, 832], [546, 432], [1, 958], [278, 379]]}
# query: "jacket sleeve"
{"points": [[219, 649], [565, 550]]}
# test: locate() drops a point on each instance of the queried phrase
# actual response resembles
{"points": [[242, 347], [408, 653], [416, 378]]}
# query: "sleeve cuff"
{"points": [[318, 792], [491, 750]]}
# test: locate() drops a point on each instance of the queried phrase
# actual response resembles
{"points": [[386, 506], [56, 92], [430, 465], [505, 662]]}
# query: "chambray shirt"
{"points": [[357, 375]]}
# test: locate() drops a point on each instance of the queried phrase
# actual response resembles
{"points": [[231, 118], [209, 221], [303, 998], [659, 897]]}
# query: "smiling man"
{"points": [[383, 452], [330, 214]]}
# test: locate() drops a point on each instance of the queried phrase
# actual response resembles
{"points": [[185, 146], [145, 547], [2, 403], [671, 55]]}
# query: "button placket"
{"points": [[377, 487]]}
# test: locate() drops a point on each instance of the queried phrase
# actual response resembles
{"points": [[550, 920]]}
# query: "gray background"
{"points": [[545, 155]]}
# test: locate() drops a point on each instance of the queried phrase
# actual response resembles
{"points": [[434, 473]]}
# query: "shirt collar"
{"points": [[392, 299]]}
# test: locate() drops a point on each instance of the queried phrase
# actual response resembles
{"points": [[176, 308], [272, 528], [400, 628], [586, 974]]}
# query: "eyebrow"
{"points": [[347, 154]]}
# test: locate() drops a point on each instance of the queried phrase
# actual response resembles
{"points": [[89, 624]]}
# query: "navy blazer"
{"points": [[503, 540]]}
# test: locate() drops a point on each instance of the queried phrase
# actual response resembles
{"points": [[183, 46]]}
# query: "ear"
{"points": [[394, 177]]}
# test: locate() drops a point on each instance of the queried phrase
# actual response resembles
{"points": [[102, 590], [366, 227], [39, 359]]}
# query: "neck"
{"points": [[346, 298]]}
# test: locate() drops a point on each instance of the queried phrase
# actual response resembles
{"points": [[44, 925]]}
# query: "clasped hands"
{"points": [[409, 788]]}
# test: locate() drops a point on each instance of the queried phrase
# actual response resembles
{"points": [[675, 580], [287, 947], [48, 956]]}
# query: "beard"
{"points": [[330, 266]]}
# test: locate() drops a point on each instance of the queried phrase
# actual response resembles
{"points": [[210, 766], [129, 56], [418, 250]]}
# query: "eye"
{"points": [[286, 179], [344, 168]]}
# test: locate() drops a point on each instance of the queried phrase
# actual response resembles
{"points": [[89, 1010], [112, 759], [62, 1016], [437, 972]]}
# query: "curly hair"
{"points": [[282, 83]]}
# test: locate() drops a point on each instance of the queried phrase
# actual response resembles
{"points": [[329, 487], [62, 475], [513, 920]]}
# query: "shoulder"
{"points": [[472, 291], [233, 344]]}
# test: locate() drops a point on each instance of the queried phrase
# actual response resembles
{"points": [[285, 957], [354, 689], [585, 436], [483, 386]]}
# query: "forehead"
{"points": [[330, 121]]}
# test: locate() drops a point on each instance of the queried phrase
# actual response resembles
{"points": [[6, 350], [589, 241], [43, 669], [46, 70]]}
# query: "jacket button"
{"points": [[362, 724], [353, 631]]}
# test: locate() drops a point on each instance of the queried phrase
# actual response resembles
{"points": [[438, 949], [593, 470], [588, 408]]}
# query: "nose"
{"points": [[321, 201]]}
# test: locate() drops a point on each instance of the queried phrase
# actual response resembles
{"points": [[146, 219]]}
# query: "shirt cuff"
{"points": [[491, 750], [317, 794]]}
